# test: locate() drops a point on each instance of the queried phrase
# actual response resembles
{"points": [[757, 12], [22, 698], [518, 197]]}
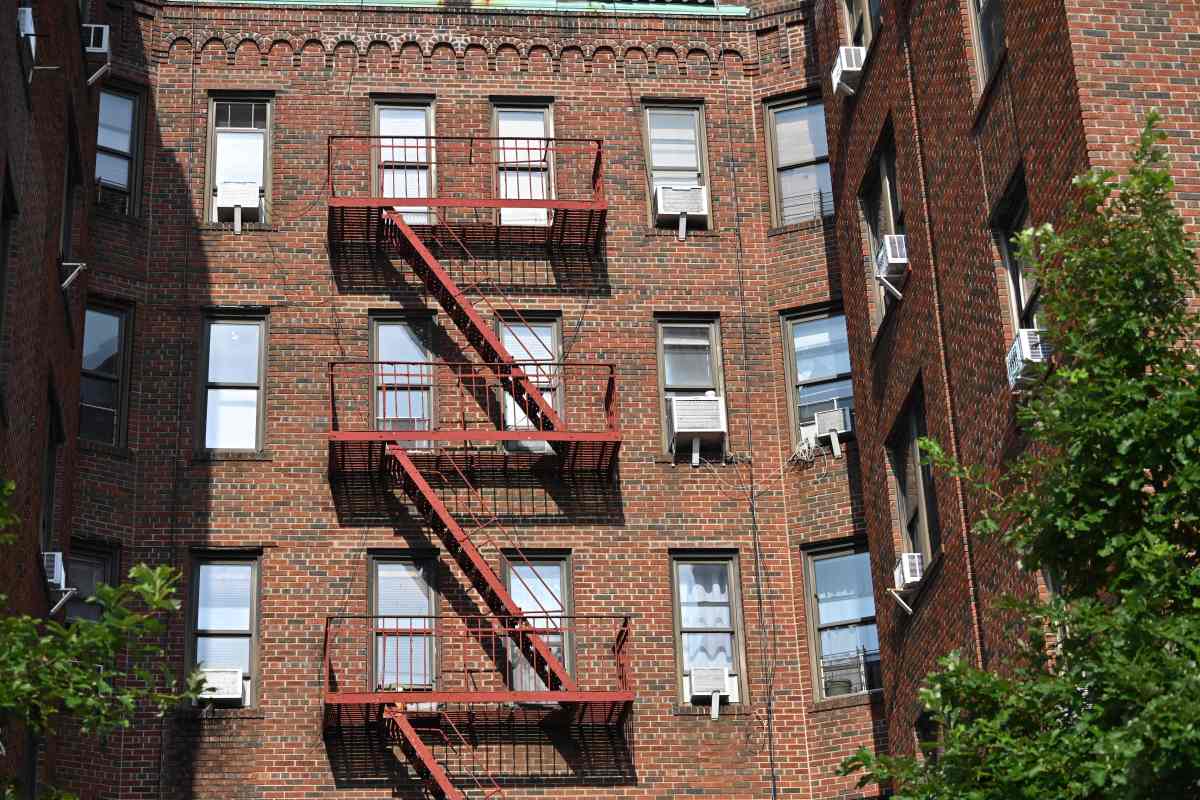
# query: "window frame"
{"points": [[9, 214], [564, 558], [812, 606], [133, 191], [903, 449], [261, 319], [210, 169], [775, 166], [881, 179], [421, 323], [987, 60], [427, 562], [124, 314], [860, 11], [55, 440], [517, 104], [737, 623], [789, 322], [72, 181], [426, 104], [702, 168], [106, 554], [505, 320], [1022, 290], [253, 559], [713, 322]]}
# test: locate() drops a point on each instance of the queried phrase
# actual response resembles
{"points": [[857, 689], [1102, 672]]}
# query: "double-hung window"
{"points": [[863, 18], [533, 342], [988, 18], [707, 614], [88, 567], [842, 606], [676, 145], [54, 442], [404, 638], [234, 384], [882, 210], [405, 158], [820, 368], [240, 158], [802, 186], [101, 389], [1024, 302], [916, 503], [540, 586], [404, 376], [524, 161], [116, 148], [225, 617], [689, 356]]}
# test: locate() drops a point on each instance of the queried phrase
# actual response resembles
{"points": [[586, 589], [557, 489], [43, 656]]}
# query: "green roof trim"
{"points": [[650, 7]]}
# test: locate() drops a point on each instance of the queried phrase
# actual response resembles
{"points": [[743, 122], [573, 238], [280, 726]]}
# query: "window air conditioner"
{"points": [[56, 575], [1027, 348], [234, 195], [713, 684], [909, 569], [847, 69], [892, 259], [670, 202], [26, 28], [222, 684], [696, 419], [95, 39], [835, 420]]}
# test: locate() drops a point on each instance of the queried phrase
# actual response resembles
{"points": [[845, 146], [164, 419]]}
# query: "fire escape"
{"points": [[444, 689]]}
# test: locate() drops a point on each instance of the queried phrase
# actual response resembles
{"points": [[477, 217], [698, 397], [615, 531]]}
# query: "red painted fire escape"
{"points": [[420, 423]]}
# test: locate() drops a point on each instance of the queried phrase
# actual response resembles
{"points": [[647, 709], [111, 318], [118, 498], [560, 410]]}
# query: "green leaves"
{"points": [[1107, 497]]}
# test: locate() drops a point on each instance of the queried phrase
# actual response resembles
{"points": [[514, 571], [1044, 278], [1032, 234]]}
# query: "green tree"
{"points": [[1106, 498], [48, 669]]}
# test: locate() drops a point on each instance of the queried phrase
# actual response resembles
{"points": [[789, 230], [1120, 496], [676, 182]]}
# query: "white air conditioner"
{"points": [[672, 201], [56, 575], [836, 420], [910, 567], [26, 28], [222, 684], [95, 39], [701, 682], [696, 419], [238, 193], [847, 69], [1027, 348], [892, 259]]}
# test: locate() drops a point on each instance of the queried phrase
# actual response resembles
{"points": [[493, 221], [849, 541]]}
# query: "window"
{"points": [[8, 218], [72, 177], [402, 597], [689, 356], [914, 485], [1023, 293], [405, 165], [842, 607], [533, 339], [404, 380], [88, 567], [523, 161], [802, 188], [820, 367], [707, 616], [54, 442], [233, 386], [540, 586], [101, 390], [240, 158], [988, 18], [676, 146], [881, 207], [116, 149], [225, 617], [863, 19]]}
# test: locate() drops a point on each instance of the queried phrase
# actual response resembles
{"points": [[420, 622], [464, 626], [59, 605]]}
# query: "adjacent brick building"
{"points": [[967, 123]]}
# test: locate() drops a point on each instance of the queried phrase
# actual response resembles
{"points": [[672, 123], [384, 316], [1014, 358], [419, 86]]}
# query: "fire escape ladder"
{"points": [[513, 620], [404, 241], [437, 782]]}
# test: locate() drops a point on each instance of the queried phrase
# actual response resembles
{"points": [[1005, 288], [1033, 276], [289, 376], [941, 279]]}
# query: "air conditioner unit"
{"points": [[835, 420], [26, 28], [909, 569], [56, 574], [713, 684], [892, 259], [672, 201], [847, 69], [95, 39], [1027, 348], [696, 420], [222, 684], [238, 202]]}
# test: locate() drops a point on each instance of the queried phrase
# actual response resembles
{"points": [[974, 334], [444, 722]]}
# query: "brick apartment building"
{"points": [[966, 124]]}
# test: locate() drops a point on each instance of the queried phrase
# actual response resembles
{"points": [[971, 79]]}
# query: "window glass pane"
{"points": [[843, 588], [849, 639], [97, 424], [537, 588], [824, 397], [224, 597], [403, 409], [702, 650], [530, 342], [406, 122], [800, 134], [102, 342], [116, 122], [401, 590], [821, 348], [804, 193], [403, 659], [398, 341], [98, 392], [239, 158], [522, 131], [704, 595], [673, 139], [687, 353], [232, 421], [241, 115], [113, 170], [233, 350], [230, 652]]}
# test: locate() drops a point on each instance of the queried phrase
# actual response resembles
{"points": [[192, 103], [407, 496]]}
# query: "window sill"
{"points": [[208, 456], [858, 700], [727, 710], [247, 227], [104, 448], [698, 233], [808, 224], [215, 712], [116, 216]]}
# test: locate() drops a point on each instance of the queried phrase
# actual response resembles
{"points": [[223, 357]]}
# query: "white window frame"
{"points": [[425, 158], [795, 384], [700, 174], [538, 217], [736, 628], [195, 632], [259, 321], [871, 673], [212, 214]]}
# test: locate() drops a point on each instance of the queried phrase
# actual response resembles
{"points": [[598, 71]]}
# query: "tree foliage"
{"points": [[1106, 498]]}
